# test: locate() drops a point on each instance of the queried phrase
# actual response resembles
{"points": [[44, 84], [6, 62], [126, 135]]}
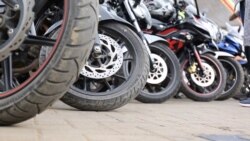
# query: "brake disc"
{"points": [[15, 22], [161, 70], [107, 63], [206, 80]]}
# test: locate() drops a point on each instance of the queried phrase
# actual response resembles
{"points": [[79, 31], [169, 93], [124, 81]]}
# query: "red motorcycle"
{"points": [[203, 77]]}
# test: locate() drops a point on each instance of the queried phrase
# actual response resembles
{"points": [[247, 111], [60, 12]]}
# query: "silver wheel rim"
{"points": [[207, 80], [161, 72]]}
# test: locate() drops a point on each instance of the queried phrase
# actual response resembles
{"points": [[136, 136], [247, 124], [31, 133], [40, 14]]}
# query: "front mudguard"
{"points": [[218, 54], [108, 15], [153, 39]]}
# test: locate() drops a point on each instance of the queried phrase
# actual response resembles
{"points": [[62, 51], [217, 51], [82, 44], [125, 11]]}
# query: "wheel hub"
{"points": [[161, 70], [206, 80], [16, 18], [107, 63]]}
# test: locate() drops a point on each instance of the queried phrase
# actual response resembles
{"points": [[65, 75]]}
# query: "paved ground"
{"points": [[176, 120]]}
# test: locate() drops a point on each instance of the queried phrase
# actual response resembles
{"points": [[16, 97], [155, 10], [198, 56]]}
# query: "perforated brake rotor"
{"points": [[208, 78], [161, 71], [108, 63], [15, 23]]}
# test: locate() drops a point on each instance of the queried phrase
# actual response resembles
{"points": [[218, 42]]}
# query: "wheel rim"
{"points": [[109, 83], [207, 80], [19, 81], [196, 89], [169, 76], [161, 70]]}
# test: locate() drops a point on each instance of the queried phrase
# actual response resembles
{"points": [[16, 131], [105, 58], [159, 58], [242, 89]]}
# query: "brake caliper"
{"points": [[193, 68]]}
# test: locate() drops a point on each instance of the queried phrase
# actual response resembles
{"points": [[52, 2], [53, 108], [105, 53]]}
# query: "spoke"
{"points": [[121, 77], [151, 88], [85, 83], [107, 84], [10, 3], [39, 40], [7, 73], [118, 40]]}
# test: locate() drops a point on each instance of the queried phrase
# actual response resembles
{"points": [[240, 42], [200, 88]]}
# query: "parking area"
{"points": [[175, 120]]}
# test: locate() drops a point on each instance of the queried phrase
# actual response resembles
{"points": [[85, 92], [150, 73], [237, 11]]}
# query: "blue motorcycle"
{"points": [[233, 44]]}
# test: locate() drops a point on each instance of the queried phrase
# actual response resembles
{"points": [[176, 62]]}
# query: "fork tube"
{"points": [[138, 28], [198, 58]]}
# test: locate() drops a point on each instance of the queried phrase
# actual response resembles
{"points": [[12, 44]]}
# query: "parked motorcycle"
{"points": [[234, 70], [27, 87], [117, 68], [203, 75], [164, 78], [233, 44]]}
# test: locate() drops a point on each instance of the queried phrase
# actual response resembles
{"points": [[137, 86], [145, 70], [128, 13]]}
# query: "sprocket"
{"points": [[14, 26]]}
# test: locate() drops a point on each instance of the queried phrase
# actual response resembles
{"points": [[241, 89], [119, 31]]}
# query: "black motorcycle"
{"points": [[117, 68], [31, 82]]}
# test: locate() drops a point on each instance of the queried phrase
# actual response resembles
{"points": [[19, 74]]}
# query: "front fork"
{"points": [[198, 58], [97, 46], [141, 34]]}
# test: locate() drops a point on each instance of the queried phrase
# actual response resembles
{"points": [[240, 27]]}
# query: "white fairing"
{"points": [[152, 38], [218, 54]]}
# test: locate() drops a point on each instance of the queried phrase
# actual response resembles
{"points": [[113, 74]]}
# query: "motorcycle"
{"points": [[233, 44], [234, 70], [117, 68], [203, 75], [232, 65], [164, 79], [27, 86]]}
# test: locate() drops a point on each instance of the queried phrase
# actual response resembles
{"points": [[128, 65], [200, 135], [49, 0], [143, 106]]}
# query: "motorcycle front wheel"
{"points": [[27, 87], [235, 78], [164, 82], [203, 87], [114, 75]]}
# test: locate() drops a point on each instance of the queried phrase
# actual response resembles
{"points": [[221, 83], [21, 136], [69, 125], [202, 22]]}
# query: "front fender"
{"points": [[152, 39], [107, 14], [218, 54]]}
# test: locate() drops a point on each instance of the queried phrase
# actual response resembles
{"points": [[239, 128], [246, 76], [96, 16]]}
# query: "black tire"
{"points": [[244, 93], [122, 94], [62, 68], [194, 92], [171, 85], [237, 73]]}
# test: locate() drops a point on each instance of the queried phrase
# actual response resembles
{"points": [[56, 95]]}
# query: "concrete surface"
{"points": [[175, 120]]}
